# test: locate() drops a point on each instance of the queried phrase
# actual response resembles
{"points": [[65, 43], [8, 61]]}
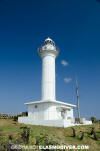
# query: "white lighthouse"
{"points": [[48, 52], [48, 111]]}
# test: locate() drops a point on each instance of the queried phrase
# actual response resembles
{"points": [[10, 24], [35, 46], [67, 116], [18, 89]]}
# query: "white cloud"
{"points": [[67, 80], [64, 63]]}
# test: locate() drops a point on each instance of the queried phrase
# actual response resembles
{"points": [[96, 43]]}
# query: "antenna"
{"points": [[78, 108]]}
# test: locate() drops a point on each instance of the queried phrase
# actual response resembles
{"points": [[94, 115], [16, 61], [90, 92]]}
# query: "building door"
{"points": [[63, 114]]}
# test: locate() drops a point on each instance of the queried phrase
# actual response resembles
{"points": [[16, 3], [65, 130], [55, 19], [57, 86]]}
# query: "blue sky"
{"points": [[75, 28]]}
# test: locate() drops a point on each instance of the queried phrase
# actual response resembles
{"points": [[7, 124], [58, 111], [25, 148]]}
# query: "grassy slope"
{"points": [[53, 134]]}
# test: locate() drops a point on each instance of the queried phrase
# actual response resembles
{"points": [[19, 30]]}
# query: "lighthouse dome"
{"points": [[49, 41], [48, 47]]}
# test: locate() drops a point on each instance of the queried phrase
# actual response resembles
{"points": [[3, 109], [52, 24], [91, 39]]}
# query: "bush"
{"points": [[93, 119], [15, 118]]}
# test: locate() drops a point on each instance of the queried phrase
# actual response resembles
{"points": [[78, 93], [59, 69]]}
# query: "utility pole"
{"points": [[78, 108]]}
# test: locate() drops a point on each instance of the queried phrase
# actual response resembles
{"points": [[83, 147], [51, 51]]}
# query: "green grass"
{"points": [[55, 135]]}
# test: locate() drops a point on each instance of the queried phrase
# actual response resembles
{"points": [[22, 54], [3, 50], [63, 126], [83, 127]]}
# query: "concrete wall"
{"points": [[49, 114], [84, 121], [47, 111], [57, 123]]}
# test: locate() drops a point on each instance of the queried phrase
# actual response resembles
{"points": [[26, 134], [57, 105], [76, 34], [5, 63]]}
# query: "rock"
{"points": [[19, 141], [82, 136]]}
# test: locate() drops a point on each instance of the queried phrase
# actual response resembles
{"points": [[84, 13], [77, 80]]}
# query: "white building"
{"points": [[48, 111]]}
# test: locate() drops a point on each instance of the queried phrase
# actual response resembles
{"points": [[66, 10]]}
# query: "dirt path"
{"points": [[3, 122]]}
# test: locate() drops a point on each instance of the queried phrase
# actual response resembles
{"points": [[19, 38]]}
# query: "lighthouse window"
{"points": [[35, 106]]}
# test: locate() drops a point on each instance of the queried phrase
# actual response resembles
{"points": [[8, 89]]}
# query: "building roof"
{"points": [[48, 101]]}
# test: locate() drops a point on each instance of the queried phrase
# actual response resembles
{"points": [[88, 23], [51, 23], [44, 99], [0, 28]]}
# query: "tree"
{"points": [[93, 119]]}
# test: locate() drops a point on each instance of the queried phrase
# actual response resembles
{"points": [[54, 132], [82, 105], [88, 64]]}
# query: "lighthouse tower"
{"points": [[48, 52], [48, 111]]}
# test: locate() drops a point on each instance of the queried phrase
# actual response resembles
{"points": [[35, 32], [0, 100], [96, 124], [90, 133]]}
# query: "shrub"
{"points": [[15, 118]]}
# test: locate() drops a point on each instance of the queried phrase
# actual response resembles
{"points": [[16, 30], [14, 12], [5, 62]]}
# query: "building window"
{"points": [[68, 118], [35, 106]]}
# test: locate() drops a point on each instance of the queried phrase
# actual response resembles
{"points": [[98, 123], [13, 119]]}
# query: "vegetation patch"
{"points": [[13, 132]]}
